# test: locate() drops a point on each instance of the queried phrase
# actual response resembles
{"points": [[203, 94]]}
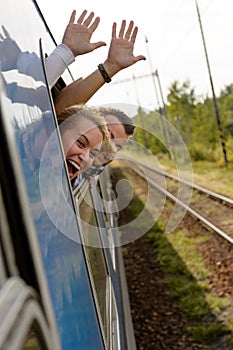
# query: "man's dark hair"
{"points": [[123, 118]]}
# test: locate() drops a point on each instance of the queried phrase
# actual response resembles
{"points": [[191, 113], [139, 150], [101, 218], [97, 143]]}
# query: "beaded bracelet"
{"points": [[104, 74]]}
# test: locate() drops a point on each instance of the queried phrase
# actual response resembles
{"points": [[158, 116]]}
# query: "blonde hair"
{"points": [[67, 118]]}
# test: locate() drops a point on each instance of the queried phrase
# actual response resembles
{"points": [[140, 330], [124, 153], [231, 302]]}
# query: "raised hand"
{"points": [[120, 54], [77, 35], [9, 51]]}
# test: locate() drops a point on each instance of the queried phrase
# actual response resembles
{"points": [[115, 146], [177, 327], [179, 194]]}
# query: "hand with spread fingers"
{"points": [[77, 35], [9, 50], [120, 54]]}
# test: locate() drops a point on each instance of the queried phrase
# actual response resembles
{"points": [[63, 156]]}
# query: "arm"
{"points": [[57, 62], [120, 56], [75, 42]]}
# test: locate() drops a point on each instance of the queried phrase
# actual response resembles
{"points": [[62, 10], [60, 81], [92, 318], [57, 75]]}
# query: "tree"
{"points": [[181, 108]]}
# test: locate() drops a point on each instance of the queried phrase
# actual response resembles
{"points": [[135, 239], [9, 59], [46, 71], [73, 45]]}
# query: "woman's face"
{"points": [[81, 144]]}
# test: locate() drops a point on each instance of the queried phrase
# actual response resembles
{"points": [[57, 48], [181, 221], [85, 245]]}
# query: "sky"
{"points": [[174, 48]]}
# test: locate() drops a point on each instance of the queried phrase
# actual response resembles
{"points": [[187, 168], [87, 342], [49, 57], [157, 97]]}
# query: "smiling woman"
{"points": [[84, 135]]}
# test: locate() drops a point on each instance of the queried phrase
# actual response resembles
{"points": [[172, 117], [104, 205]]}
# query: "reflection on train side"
{"points": [[94, 237], [96, 260], [59, 278], [27, 105]]}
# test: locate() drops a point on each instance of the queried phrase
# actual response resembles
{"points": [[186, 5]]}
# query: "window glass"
{"points": [[27, 107], [96, 259]]}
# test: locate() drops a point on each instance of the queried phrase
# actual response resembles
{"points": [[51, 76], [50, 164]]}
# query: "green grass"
{"points": [[187, 277], [213, 175], [210, 333]]}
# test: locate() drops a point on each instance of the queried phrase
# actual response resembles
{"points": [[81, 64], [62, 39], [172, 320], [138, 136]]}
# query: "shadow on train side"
{"points": [[57, 292]]}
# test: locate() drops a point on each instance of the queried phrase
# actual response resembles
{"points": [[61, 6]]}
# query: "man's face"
{"points": [[117, 131], [118, 139]]}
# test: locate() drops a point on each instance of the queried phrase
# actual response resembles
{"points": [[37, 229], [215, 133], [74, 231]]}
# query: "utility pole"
{"points": [[161, 92], [213, 93], [136, 90], [168, 131], [152, 75]]}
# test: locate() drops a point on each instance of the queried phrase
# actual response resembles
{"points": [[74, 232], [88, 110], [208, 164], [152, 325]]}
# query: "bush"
{"points": [[200, 152]]}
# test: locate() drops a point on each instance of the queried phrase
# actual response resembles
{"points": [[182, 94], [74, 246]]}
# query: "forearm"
{"points": [[81, 90], [57, 62]]}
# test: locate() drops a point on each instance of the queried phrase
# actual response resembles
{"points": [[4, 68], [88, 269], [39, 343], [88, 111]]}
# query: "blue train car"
{"points": [[62, 277]]}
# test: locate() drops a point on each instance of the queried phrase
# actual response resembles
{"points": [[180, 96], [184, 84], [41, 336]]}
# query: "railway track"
{"points": [[212, 209], [166, 322]]}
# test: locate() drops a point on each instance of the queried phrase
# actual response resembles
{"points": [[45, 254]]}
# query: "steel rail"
{"points": [[190, 210], [225, 199]]}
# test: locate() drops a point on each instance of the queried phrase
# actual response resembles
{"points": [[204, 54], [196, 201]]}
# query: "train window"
{"points": [[103, 200], [115, 326], [109, 197], [31, 128], [107, 212], [96, 259], [77, 316]]}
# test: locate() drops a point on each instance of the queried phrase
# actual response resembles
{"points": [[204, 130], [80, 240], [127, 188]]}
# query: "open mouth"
{"points": [[73, 168]]}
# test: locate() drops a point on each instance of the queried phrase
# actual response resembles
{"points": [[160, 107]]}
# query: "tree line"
{"points": [[194, 118]]}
